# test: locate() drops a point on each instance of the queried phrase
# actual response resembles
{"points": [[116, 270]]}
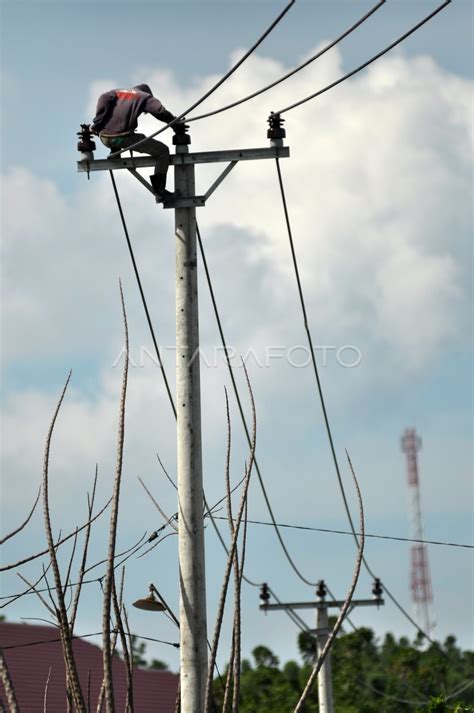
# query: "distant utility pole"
{"points": [[322, 631], [422, 593], [193, 647]]}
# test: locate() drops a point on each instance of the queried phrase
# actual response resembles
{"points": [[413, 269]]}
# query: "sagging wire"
{"points": [[293, 71], [142, 294], [241, 411], [236, 391], [308, 528], [216, 85], [323, 404], [86, 636], [365, 64]]}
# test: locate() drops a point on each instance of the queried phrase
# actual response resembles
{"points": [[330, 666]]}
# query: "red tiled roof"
{"points": [[153, 691]]}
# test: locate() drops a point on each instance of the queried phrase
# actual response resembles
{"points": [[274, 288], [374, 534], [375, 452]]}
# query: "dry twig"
{"points": [[45, 698], [61, 613], [238, 619], [232, 550], [25, 523], [123, 640], [32, 587], [8, 685], [82, 568], [168, 520], [14, 565], [108, 583], [129, 701]]}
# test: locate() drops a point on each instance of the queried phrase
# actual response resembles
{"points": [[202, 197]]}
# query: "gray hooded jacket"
{"points": [[118, 110]]}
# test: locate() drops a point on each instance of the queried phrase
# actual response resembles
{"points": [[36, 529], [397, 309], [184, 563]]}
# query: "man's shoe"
{"points": [[158, 181]]}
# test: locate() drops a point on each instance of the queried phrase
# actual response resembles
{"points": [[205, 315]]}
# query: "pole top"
{"points": [[276, 133], [181, 134], [322, 589]]}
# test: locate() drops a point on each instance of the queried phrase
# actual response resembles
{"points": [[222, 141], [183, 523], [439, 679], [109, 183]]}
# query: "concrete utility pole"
{"points": [[193, 635], [192, 610], [322, 631]]}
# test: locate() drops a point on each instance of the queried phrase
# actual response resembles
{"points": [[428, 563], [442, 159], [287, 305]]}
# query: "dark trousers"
{"points": [[150, 146]]}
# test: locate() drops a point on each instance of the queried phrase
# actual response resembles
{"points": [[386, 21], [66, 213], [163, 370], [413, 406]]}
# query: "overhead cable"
{"points": [[365, 64], [142, 294], [216, 85], [241, 411], [86, 636], [293, 71], [137, 274], [323, 404], [347, 532]]}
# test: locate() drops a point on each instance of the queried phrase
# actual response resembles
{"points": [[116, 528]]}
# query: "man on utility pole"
{"points": [[116, 120], [192, 620]]}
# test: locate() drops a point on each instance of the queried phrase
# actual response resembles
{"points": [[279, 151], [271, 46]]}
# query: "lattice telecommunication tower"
{"points": [[420, 580]]}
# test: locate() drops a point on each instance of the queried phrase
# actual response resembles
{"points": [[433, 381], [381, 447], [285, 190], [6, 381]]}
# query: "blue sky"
{"points": [[379, 181]]}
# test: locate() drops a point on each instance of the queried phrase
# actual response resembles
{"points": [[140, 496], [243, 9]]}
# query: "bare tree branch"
{"points": [[134, 548], [232, 661], [108, 583], [71, 560], [129, 701], [22, 594], [330, 640], [5, 568], [229, 677], [61, 613], [45, 698], [100, 699], [8, 685], [232, 549], [238, 619], [85, 549], [48, 587], [168, 520], [126, 655], [25, 523], [40, 597]]}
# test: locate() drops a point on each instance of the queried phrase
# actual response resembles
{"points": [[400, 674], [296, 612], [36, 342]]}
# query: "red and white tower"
{"points": [[422, 593]]}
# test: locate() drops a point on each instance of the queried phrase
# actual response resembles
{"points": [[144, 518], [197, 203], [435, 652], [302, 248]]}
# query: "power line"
{"points": [[216, 85], [293, 71], [142, 294], [45, 589], [346, 532], [144, 302], [241, 411], [86, 636], [365, 64], [33, 590], [323, 405], [236, 391]]}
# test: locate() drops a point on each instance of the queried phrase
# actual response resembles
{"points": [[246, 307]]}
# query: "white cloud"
{"points": [[378, 188], [379, 194]]}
